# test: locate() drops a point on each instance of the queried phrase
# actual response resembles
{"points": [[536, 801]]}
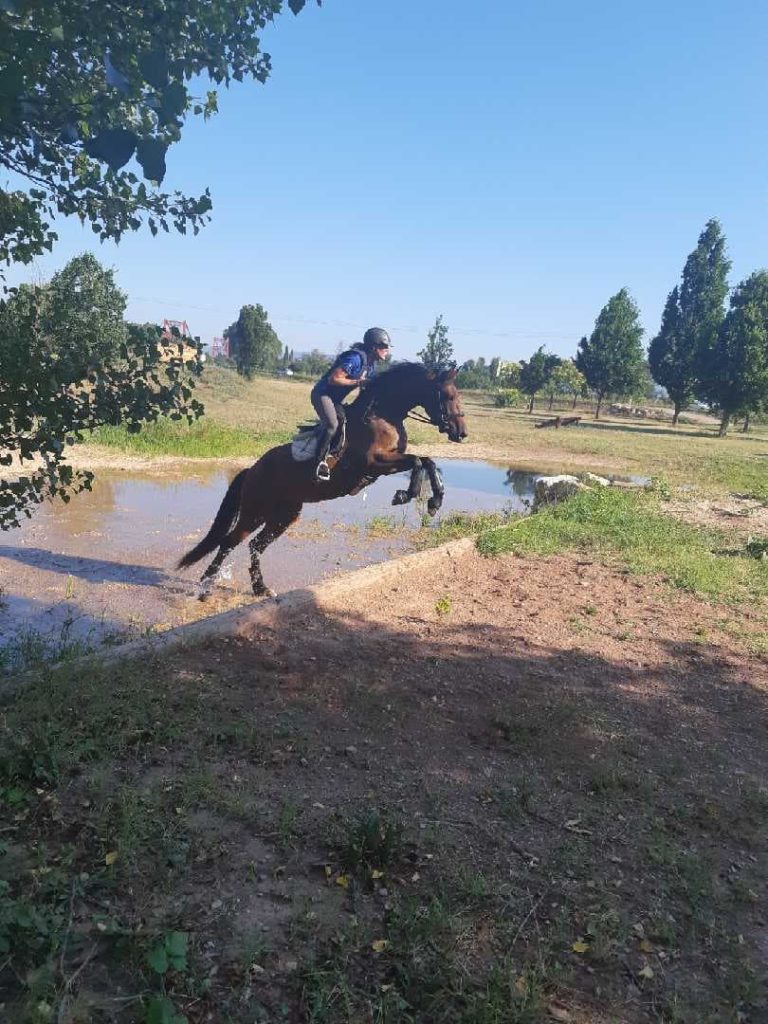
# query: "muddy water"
{"points": [[102, 566]]}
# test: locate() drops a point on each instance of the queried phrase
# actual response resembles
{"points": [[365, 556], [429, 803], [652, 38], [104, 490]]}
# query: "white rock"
{"points": [[548, 490]]}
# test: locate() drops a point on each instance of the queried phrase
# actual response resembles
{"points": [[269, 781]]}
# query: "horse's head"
{"points": [[444, 404]]}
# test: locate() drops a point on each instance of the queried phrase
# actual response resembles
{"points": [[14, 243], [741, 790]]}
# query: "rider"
{"points": [[352, 369]]}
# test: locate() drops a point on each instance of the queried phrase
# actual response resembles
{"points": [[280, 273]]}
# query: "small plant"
{"points": [[660, 487], [757, 548], [507, 398], [170, 954], [368, 841], [443, 605], [286, 824]]}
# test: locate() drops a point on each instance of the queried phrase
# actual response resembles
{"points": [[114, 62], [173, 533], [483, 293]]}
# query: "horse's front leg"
{"points": [[438, 487]]}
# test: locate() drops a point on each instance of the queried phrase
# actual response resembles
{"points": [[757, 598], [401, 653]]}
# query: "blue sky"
{"points": [[509, 165]]}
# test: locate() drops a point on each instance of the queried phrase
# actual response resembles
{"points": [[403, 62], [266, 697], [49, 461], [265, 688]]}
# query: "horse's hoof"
{"points": [[400, 498], [264, 592], [433, 507]]}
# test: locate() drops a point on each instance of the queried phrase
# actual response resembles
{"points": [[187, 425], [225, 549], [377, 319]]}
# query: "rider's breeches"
{"points": [[325, 408]]}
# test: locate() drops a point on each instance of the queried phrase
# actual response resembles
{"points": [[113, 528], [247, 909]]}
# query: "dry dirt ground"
{"points": [[504, 792]]}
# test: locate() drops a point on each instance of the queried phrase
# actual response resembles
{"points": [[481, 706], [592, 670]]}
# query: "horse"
{"points": [[269, 495]]}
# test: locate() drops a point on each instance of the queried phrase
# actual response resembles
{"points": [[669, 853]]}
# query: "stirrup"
{"points": [[323, 472]]}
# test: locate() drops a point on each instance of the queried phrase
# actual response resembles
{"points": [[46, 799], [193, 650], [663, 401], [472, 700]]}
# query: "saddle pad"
{"points": [[304, 445]]}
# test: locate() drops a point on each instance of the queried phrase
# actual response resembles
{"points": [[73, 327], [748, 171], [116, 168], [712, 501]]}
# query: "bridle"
{"points": [[444, 420]]}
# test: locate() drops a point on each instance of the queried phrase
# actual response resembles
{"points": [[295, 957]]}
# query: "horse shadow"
{"points": [[81, 566]]}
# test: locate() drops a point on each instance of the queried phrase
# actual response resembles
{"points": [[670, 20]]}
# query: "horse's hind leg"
{"points": [[207, 580], [273, 528]]}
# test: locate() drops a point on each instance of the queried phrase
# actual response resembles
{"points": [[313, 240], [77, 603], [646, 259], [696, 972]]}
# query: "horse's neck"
{"points": [[393, 407]]}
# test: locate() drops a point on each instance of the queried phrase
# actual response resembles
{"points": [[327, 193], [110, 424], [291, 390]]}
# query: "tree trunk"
{"points": [[724, 424], [575, 399], [676, 417], [551, 400], [745, 428], [599, 403], [530, 407]]}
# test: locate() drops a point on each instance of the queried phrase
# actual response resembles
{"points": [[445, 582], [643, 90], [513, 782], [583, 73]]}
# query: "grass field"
{"points": [[243, 418]]}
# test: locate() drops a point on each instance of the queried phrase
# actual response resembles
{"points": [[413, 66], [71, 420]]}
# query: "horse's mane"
{"points": [[393, 379]]}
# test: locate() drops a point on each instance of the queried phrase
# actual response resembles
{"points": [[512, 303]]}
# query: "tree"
{"points": [[81, 316], [611, 359], [87, 85], [680, 354], [535, 373], [739, 380], [438, 352], [311, 364], [254, 345], [56, 387], [565, 379]]}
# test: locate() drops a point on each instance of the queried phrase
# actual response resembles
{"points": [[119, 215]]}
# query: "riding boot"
{"points": [[322, 470]]}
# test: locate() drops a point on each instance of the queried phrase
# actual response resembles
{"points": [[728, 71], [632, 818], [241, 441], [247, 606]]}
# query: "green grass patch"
{"points": [[615, 524], [459, 524], [203, 439]]}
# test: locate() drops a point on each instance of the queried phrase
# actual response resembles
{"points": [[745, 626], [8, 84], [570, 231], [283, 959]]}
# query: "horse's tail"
{"points": [[220, 526]]}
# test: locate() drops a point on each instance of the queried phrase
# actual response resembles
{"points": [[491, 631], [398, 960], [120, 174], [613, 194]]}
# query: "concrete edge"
{"points": [[246, 620]]}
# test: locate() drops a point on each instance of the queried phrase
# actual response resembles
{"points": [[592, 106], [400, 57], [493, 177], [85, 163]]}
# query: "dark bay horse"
{"points": [[269, 496]]}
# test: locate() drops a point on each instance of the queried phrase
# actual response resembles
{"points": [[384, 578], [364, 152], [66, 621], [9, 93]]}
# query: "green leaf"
{"points": [[153, 65], [176, 947], [151, 155], [114, 146], [161, 1010], [173, 102], [158, 959]]}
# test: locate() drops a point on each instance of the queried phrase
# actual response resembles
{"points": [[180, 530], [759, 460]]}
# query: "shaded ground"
{"points": [[514, 790]]}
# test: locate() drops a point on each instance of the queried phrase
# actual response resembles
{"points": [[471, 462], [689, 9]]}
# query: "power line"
{"points": [[514, 333]]}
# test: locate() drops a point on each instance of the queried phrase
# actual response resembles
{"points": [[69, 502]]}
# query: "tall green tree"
{"points": [[438, 352], [739, 379], [535, 373], [55, 387], [254, 345], [680, 354], [611, 359], [89, 85]]}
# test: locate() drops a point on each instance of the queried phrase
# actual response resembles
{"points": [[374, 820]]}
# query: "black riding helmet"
{"points": [[374, 337]]}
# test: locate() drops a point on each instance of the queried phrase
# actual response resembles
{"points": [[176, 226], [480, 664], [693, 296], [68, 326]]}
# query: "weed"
{"points": [[368, 840], [384, 526], [443, 605], [286, 824]]}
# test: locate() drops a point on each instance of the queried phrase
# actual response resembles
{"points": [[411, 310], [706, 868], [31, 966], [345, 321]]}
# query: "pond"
{"points": [[103, 565]]}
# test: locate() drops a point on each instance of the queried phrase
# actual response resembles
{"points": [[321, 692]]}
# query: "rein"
{"points": [[419, 417]]}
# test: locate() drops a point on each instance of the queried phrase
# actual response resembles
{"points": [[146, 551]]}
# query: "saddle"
{"points": [[305, 444]]}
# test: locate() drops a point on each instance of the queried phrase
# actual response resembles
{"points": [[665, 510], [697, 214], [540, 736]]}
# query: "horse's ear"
{"points": [[431, 374], [450, 374]]}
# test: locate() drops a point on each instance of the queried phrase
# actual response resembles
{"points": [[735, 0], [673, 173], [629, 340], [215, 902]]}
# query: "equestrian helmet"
{"points": [[376, 337]]}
